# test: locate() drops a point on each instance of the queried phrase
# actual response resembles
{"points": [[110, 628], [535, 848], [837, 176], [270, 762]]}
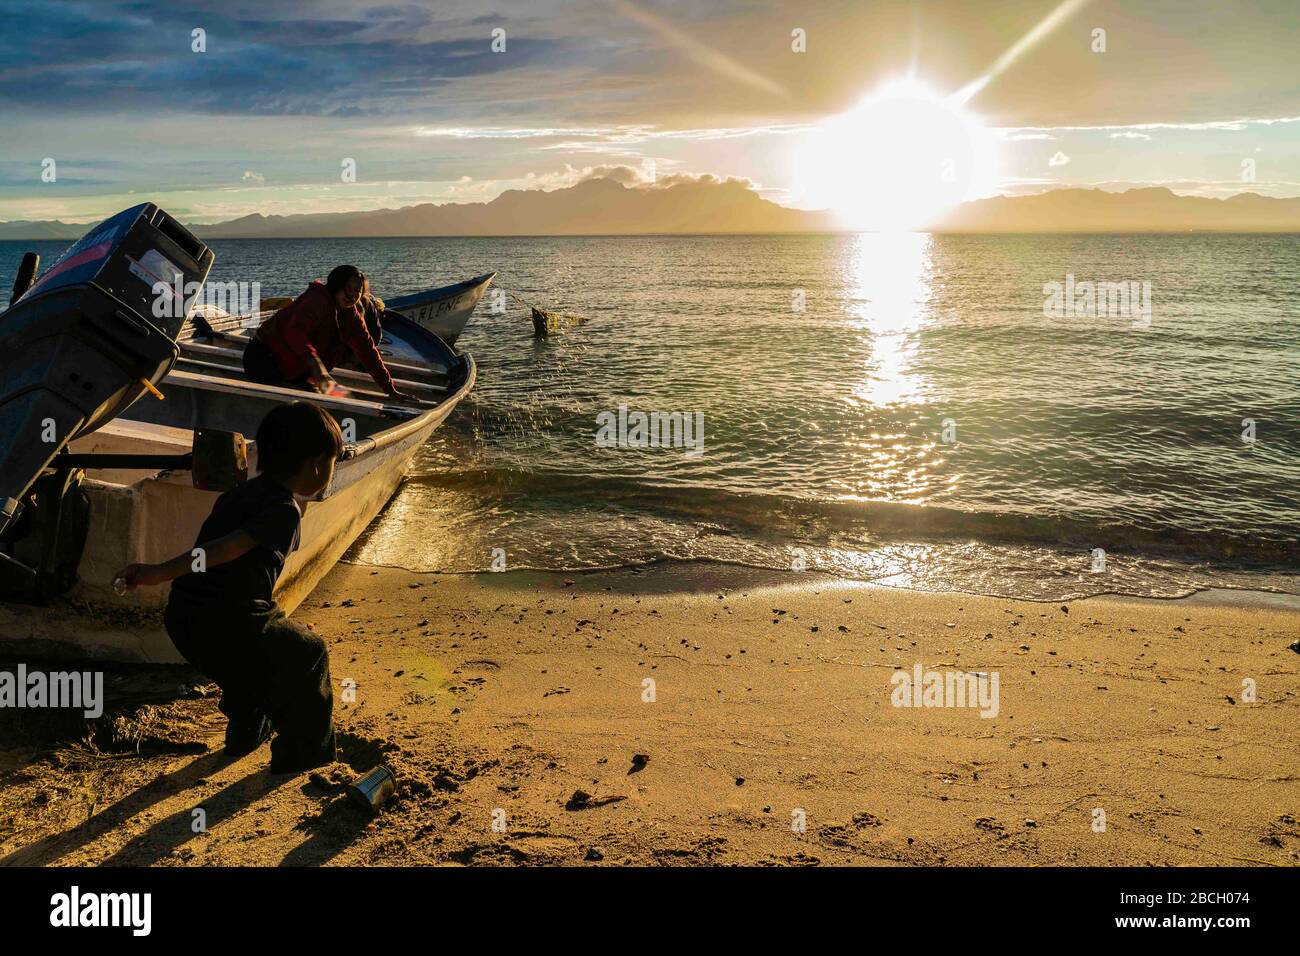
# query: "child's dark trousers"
{"points": [[274, 674]]}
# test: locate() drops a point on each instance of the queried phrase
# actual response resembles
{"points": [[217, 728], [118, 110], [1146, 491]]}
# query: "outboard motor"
{"points": [[90, 337]]}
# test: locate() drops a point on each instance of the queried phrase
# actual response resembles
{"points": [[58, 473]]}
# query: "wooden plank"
{"points": [[431, 368], [339, 374], [230, 386]]}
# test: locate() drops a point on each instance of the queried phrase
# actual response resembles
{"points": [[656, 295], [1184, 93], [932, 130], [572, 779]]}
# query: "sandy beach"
{"points": [[673, 716]]}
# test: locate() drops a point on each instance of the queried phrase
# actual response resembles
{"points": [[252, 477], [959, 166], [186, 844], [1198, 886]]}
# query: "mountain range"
{"points": [[707, 205]]}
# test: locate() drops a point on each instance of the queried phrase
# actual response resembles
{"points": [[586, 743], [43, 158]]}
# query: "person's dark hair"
{"points": [[292, 434], [340, 277]]}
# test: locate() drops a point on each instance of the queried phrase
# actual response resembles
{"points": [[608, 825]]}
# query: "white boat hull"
{"points": [[445, 311]]}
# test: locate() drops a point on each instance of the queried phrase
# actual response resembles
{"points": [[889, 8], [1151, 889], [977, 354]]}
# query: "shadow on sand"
{"points": [[151, 718]]}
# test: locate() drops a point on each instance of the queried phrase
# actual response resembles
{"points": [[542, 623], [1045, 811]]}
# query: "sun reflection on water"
{"points": [[890, 282], [889, 285]]}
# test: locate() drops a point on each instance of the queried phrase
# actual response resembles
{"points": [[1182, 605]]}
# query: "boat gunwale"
{"points": [[400, 430], [409, 299]]}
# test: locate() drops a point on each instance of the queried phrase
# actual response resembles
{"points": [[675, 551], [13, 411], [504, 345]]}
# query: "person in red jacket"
{"points": [[301, 344]]}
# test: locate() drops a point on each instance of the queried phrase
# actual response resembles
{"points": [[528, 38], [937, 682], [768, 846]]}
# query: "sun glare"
{"points": [[897, 160]]}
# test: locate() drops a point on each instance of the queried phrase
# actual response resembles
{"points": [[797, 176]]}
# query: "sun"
{"points": [[897, 160]]}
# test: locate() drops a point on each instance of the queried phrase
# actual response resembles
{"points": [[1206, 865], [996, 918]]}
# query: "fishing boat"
{"points": [[136, 485], [443, 311]]}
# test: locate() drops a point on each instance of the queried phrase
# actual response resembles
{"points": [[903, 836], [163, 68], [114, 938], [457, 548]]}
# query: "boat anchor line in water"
{"points": [[546, 322], [130, 481]]}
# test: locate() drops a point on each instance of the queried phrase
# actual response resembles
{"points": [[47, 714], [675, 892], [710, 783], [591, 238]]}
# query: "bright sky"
{"points": [[1198, 95]]}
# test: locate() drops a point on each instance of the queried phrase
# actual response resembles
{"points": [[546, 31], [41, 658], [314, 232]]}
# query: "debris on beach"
{"points": [[374, 788], [582, 800]]}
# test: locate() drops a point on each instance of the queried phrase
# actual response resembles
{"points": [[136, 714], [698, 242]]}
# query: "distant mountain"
{"points": [[1134, 210], [48, 229], [593, 207], [709, 205]]}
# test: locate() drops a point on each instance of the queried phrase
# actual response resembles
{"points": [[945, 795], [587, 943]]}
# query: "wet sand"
{"points": [[516, 712]]}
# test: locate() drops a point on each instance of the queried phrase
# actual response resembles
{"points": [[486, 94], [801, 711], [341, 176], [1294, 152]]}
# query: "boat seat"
{"points": [[123, 436]]}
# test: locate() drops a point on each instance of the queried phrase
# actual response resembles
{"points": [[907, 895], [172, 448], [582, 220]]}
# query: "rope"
{"points": [[522, 301]]}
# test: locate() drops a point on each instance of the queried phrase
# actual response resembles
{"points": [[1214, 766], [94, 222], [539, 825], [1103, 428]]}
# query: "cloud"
{"points": [[703, 179], [495, 132], [1058, 159], [569, 175], [627, 175], [1232, 125], [644, 176]]}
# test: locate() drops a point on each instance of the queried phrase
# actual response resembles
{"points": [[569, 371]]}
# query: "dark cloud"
{"points": [[133, 57]]}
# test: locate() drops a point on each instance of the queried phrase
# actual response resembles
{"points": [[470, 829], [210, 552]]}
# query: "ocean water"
{"points": [[893, 408]]}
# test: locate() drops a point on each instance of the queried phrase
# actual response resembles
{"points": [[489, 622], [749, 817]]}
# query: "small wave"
{"points": [[791, 518]]}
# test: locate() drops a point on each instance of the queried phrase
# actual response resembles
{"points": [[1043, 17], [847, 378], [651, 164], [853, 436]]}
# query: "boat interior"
{"points": [[208, 389]]}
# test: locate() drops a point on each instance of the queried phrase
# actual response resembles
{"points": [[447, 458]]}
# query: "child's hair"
{"points": [[292, 434], [341, 276]]}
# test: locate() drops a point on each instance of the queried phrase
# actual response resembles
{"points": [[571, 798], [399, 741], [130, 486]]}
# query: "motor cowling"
{"points": [[90, 336]]}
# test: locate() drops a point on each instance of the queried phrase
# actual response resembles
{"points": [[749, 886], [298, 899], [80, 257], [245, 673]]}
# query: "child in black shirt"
{"points": [[222, 616]]}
